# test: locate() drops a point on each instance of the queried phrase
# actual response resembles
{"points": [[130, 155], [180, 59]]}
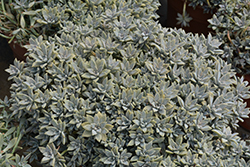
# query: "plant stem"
{"points": [[18, 140], [3, 130], [244, 31], [208, 3], [12, 38], [184, 8], [3, 6], [4, 36], [64, 152]]}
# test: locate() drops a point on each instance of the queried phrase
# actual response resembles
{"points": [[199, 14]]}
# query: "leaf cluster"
{"points": [[231, 24], [208, 6], [10, 136]]}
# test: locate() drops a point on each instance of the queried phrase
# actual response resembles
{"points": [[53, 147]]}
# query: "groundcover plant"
{"points": [[231, 24], [117, 89]]}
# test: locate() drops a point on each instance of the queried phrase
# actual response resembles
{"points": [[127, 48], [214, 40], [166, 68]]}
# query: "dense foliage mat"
{"points": [[117, 89]]}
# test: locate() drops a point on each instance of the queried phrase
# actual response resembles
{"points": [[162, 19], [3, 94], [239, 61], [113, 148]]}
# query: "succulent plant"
{"points": [[10, 136], [96, 126], [21, 19], [97, 94], [209, 6], [231, 24], [17, 19]]}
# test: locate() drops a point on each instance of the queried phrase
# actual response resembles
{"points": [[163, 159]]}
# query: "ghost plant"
{"points": [[231, 24], [10, 136], [208, 6], [117, 89], [21, 19]]}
